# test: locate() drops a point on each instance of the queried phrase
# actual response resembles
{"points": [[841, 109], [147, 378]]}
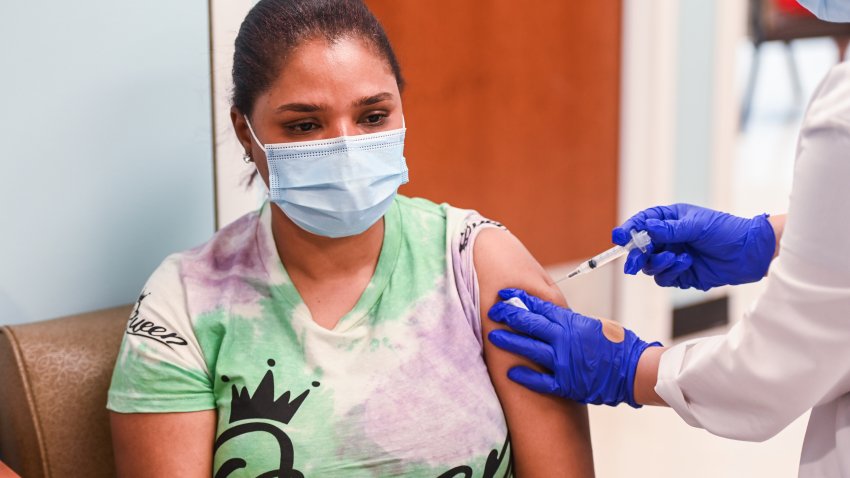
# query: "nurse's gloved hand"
{"points": [[697, 247], [588, 360]]}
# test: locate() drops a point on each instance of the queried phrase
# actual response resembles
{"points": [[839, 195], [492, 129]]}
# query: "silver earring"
{"points": [[247, 158]]}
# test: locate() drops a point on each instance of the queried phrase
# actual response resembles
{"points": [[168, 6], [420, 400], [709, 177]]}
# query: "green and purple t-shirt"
{"points": [[398, 388]]}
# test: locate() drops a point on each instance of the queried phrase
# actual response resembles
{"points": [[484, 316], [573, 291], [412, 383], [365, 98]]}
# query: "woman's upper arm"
{"points": [[161, 399], [163, 444], [550, 436]]}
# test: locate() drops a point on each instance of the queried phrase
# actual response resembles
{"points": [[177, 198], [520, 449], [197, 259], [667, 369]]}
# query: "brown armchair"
{"points": [[54, 376]]}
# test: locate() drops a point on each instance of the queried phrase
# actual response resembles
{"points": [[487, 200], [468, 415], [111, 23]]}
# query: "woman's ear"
{"points": [[240, 126], [254, 152]]}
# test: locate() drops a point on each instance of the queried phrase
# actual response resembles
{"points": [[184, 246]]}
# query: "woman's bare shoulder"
{"points": [[549, 436]]}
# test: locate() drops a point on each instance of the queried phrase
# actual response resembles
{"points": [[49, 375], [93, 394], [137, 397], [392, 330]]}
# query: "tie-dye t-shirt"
{"points": [[398, 388]]}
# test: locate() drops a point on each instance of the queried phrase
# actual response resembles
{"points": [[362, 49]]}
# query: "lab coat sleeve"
{"points": [[792, 350]]}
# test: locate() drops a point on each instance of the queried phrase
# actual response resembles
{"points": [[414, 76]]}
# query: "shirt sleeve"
{"points": [[160, 366], [464, 226], [790, 352]]}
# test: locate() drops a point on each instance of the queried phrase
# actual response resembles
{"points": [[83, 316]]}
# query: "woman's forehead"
{"points": [[342, 70]]}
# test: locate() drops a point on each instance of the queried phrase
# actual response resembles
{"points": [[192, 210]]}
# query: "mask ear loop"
{"points": [[247, 156]]}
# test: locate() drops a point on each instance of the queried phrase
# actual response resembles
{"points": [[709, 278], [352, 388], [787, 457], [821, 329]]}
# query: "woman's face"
{"points": [[324, 90]]}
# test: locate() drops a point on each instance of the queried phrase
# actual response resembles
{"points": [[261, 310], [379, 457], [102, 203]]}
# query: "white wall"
{"points": [[706, 110], [106, 149], [233, 197], [694, 99]]}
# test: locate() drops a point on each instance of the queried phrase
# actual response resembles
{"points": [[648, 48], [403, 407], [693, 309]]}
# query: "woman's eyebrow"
{"points": [[311, 108], [298, 108], [371, 100]]}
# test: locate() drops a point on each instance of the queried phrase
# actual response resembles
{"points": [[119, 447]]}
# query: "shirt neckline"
{"points": [[283, 289]]}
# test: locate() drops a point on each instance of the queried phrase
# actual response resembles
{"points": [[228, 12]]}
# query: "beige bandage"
{"points": [[613, 331]]}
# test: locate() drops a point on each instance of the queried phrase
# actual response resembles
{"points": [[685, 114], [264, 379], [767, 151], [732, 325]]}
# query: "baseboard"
{"points": [[702, 316]]}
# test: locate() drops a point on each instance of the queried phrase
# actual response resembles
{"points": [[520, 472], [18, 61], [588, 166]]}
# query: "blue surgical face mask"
{"points": [[831, 11], [336, 187]]}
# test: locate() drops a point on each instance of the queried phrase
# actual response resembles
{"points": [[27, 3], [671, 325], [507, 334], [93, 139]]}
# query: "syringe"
{"points": [[639, 239]]}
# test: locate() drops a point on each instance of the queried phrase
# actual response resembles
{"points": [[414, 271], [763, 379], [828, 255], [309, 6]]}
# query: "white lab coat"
{"points": [[792, 350]]}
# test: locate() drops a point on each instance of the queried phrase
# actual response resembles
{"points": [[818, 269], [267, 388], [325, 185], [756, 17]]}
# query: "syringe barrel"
{"points": [[600, 260]]}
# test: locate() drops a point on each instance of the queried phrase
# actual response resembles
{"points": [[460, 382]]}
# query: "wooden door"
{"points": [[512, 109]]}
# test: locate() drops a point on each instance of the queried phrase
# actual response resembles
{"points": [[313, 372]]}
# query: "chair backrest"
{"points": [[54, 376]]}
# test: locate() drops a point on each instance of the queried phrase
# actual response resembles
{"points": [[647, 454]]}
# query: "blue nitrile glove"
{"points": [[698, 247], [589, 362]]}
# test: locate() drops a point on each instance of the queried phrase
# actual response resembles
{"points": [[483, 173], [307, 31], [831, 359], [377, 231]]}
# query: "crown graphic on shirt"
{"points": [[262, 404]]}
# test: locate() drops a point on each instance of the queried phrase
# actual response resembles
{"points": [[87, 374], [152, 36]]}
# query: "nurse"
{"points": [[790, 353]]}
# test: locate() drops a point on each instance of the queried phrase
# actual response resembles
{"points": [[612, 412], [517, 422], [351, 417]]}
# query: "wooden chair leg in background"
{"points": [[746, 107], [794, 73], [842, 43]]}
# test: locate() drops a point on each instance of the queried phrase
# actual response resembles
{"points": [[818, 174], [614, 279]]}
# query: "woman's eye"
{"points": [[302, 127], [376, 118]]}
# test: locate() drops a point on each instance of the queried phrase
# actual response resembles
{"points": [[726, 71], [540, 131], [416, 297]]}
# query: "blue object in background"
{"points": [[105, 149], [830, 11]]}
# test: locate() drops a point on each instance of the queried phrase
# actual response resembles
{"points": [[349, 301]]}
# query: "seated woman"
{"points": [[338, 330]]}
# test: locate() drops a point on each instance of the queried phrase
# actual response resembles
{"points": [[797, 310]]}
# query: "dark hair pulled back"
{"points": [[273, 28]]}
